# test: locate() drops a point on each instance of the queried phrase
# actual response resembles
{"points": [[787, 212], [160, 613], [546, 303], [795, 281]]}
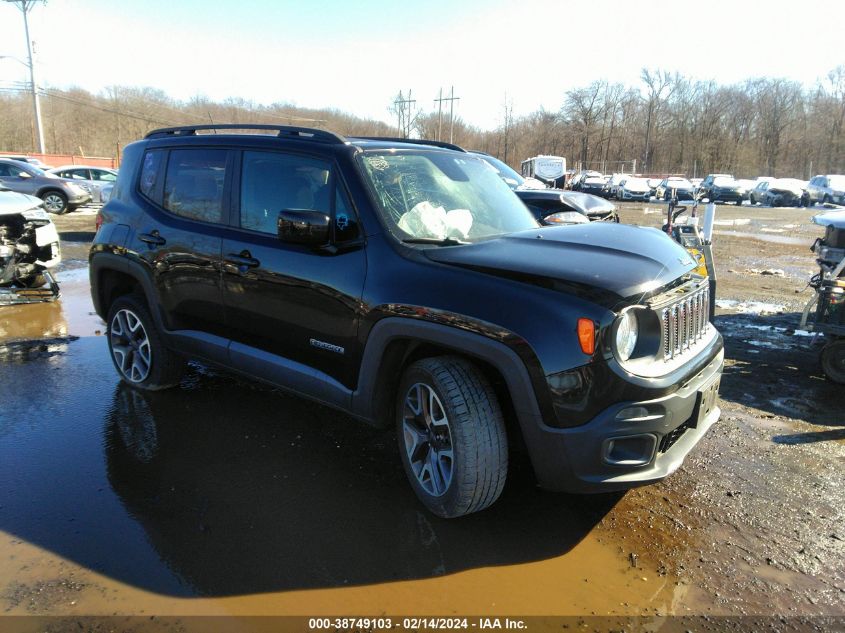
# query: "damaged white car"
{"points": [[29, 248]]}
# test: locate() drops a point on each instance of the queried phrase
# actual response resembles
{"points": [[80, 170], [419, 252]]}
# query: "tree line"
{"points": [[666, 123]]}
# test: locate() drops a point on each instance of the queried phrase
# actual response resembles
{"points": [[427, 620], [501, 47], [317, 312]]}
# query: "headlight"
{"points": [[625, 339]]}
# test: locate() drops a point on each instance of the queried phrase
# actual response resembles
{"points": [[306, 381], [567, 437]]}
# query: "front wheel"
{"points": [[451, 436], [55, 202], [136, 347]]}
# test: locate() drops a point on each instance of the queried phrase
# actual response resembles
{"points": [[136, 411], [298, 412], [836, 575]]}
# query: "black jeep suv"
{"points": [[404, 283]]}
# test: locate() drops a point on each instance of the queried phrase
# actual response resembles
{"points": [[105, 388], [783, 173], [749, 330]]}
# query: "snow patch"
{"points": [[750, 307]]}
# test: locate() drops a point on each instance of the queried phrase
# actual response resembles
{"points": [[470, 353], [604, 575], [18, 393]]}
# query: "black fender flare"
{"points": [[498, 355], [101, 262]]}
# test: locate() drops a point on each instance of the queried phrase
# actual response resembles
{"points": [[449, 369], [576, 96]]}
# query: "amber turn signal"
{"points": [[587, 336]]}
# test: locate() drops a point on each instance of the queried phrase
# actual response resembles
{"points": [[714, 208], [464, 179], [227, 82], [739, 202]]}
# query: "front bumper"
{"points": [[726, 196], [609, 453], [78, 199], [632, 195]]}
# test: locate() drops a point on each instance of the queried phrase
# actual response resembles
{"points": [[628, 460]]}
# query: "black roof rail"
{"points": [[415, 141], [305, 133]]}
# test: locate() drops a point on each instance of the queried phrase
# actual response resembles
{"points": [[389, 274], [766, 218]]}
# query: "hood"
{"points": [[12, 203], [618, 260], [586, 203]]}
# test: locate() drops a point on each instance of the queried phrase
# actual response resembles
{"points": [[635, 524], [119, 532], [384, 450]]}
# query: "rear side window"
{"points": [[193, 184], [150, 170]]}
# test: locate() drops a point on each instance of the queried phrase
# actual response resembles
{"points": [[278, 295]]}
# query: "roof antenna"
{"points": [[210, 119]]}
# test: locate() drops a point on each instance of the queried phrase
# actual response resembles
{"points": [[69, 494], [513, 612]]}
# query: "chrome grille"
{"points": [[684, 322]]}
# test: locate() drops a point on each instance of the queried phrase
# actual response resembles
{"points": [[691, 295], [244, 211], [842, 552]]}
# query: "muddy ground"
{"points": [[200, 501]]}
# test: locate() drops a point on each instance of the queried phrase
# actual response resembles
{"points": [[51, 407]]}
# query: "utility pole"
{"points": [[439, 102], [451, 99], [26, 6], [400, 103]]}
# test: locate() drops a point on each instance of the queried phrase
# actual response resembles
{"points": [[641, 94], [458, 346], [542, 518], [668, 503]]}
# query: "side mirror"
{"points": [[298, 226]]}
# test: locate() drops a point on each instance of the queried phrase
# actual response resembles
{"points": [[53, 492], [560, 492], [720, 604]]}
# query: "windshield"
{"points": [[724, 181], [636, 182], [442, 195], [505, 172]]}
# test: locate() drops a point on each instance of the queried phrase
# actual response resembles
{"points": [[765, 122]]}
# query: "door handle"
{"points": [[243, 259], [153, 239]]}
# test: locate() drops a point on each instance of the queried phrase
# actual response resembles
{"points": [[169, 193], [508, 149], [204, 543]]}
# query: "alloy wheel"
{"points": [[130, 346], [54, 203], [428, 439]]}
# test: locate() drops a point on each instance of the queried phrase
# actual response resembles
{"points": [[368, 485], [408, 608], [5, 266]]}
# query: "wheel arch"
{"points": [[396, 342], [113, 276]]}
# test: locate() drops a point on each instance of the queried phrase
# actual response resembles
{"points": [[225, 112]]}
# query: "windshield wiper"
{"points": [[445, 241]]}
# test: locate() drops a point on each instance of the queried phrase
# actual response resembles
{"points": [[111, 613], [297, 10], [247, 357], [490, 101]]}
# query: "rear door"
{"points": [[293, 300], [179, 234]]}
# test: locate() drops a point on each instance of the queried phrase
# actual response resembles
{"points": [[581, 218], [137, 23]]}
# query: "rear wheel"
{"points": [[833, 361], [136, 347], [55, 202], [826, 199], [451, 436]]}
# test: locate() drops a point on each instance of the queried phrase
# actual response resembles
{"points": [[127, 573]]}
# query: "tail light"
{"points": [[98, 222]]}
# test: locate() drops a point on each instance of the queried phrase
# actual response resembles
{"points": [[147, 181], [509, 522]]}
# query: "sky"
{"points": [[356, 56]]}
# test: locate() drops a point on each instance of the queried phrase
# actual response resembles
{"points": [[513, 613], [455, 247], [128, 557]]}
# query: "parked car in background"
{"points": [[758, 194], [633, 188], [553, 206], [92, 179], [512, 178], [721, 188], [593, 185], [580, 177], [824, 189], [683, 188], [784, 192], [59, 195]]}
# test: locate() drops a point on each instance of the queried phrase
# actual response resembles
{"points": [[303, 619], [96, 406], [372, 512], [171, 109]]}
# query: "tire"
{"points": [[136, 348], [805, 200], [833, 361], [739, 203], [826, 199], [55, 202], [451, 436]]}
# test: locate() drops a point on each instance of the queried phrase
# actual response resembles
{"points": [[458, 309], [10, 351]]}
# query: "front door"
{"points": [[291, 300]]}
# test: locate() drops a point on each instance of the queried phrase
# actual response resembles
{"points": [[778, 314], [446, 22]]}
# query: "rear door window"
{"points": [[194, 182]]}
